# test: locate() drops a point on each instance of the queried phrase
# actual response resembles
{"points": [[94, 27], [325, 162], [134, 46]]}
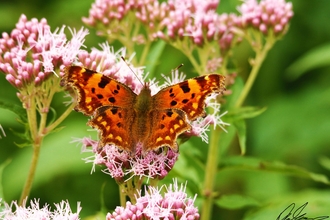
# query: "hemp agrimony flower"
{"points": [[31, 57], [173, 204], [35, 212], [267, 16]]}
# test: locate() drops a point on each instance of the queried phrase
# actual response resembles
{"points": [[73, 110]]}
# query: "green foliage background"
{"points": [[293, 84]]}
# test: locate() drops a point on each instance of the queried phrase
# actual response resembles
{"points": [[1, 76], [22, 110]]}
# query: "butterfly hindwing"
{"points": [[114, 124], [165, 126]]}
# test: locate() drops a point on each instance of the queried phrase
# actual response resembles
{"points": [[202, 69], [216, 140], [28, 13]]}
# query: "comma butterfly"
{"points": [[126, 119]]}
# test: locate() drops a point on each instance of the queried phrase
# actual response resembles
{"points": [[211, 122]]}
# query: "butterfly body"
{"points": [[126, 119]]}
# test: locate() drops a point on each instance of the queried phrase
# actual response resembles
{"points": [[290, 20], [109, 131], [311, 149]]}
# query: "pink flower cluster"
{"points": [[107, 14], [175, 204], [171, 21], [197, 20], [268, 15], [16, 212], [121, 166], [178, 20], [31, 53]]}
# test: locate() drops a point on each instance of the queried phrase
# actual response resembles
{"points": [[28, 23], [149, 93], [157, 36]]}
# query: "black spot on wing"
{"points": [[85, 77], [104, 82], [185, 87], [114, 111], [112, 99], [171, 93], [169, 113]]}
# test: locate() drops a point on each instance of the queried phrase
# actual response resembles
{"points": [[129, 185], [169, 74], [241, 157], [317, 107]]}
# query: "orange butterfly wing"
{"points": [[95, 90], [126, 119], [178, 104], [107, 100], [190, 95], [165, 125], [115, 126]]}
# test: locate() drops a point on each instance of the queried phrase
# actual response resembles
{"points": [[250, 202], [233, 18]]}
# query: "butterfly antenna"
{"points": [[178, 67], [175, 69], [131, 69]]}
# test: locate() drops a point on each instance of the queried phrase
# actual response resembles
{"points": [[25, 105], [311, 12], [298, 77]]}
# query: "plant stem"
{"points": [[260, 56], [144, 54], [194, 62], [34, 162], [37, 139], [122, 195], [37, 134], [210, 174]]}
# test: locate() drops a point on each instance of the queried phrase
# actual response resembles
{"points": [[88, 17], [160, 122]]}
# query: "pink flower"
{"points": [[151, 14], [34, 212], [31, 53], [105, 11], [268, 15], [109, 16], [174, 204], [190, 18], [122, 166], [227, 26]]}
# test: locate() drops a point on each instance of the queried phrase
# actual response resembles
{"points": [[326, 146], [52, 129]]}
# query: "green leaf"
{"points": [[191, 167], [154, 55], [236, 201], [226, 139], [325, 162], [244, 112], [240, 126], [22, 118], [17, 109], [236, 117], [236, 89], [2, 167], [315, 58], [256, 164], [54, 115]]}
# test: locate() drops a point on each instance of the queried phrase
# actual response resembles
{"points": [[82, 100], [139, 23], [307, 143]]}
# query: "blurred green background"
{"points": [[294, 129]]}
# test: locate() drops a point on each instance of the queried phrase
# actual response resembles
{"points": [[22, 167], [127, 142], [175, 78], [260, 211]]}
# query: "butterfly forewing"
{"points": [[190, 95], [96, 90]]}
